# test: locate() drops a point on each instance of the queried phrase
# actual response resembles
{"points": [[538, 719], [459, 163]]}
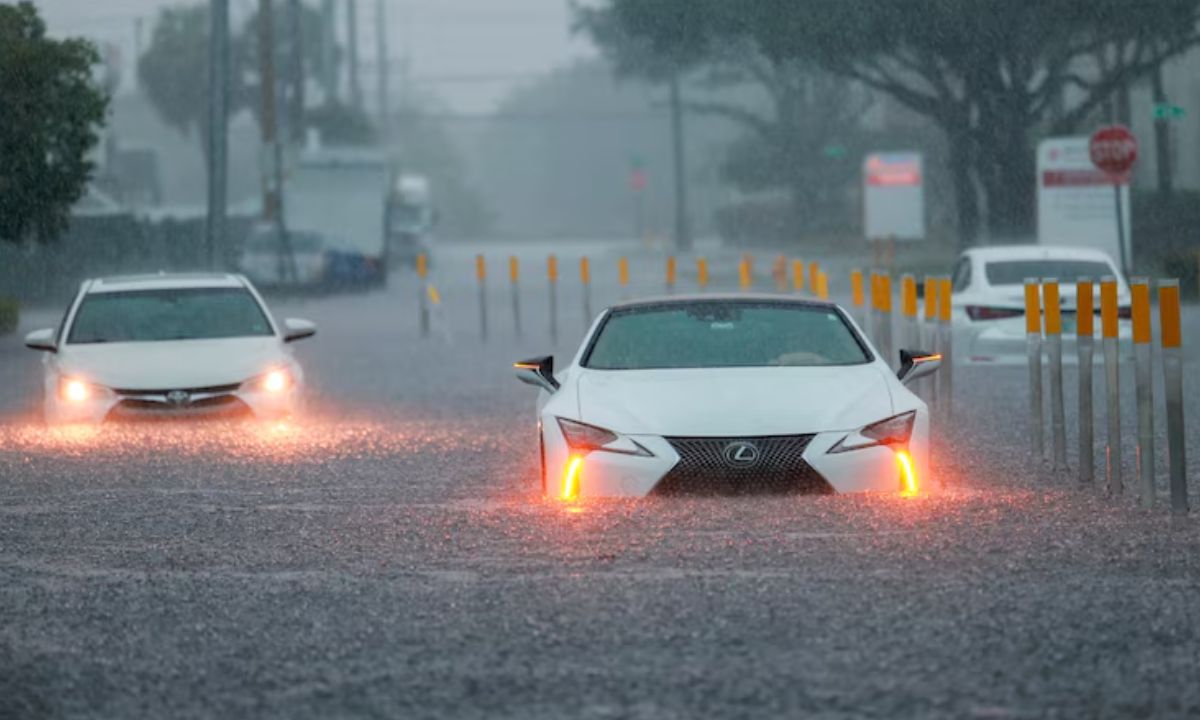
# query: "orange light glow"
{"points": [[908, 476], [76, 391], [276, 381], [570, 486]]}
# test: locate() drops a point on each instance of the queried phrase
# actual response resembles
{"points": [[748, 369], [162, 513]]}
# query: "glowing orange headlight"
{"points": [[276, 381], [75, 390]]}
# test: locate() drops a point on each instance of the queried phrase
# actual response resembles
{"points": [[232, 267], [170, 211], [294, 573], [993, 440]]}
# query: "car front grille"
{"points": [[706, 467], [219, 406]]}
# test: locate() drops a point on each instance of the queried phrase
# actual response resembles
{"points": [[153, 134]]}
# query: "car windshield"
{"points": [[724, 334], [174, 314], [1015, 272]]}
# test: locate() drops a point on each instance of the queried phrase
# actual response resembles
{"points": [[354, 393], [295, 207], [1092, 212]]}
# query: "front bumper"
{"points": [[607, 474], [129, 406]]}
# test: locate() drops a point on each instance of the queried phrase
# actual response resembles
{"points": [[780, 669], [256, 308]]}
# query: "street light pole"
{"points": [[218, 126]]}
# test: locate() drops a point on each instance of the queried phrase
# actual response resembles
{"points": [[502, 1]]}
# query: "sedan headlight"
{"points": [[271, 382], [583, 438], [75, 390], [894, 431]]}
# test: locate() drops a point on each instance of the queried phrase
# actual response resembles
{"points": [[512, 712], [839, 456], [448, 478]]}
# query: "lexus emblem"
{"points": [[741, 454], [178, 398]]}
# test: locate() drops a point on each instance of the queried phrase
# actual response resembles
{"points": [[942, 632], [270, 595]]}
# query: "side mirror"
{"points": [[42, 340], [916, 364], [296, 329], [538, 372]]}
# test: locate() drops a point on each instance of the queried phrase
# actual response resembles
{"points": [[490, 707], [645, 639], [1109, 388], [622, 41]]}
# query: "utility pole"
{"points": [[329, 69], [683, 232], [296, 61], [272, 147], [218, 126], [1162, 136], [382, 76], [356, 96]]}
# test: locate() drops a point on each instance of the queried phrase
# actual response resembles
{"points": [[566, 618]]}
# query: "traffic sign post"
{"points": [[1114, 149]]}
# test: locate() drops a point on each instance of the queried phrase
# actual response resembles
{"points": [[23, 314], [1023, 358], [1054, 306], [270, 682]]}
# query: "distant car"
{"points": [[728, 394], [159, 346], [988, 298], [265, 261]]}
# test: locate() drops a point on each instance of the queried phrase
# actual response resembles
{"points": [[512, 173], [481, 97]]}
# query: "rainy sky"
{"points": [[470, 52]]}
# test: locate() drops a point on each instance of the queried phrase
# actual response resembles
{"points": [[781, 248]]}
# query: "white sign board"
{"points": [[1076, 203], [894, 196]]}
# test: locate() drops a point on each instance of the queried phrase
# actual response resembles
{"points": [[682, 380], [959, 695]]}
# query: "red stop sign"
{"points": [[1113, 149]]}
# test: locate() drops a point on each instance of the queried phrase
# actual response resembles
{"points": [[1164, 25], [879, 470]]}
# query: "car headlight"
{"points": [[583, 438], [894, 431], [75, 390], [271, 382]]}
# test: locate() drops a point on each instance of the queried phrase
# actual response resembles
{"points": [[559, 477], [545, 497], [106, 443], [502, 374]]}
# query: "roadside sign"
{"points": [[894, 196], [1075, 198], [1167, 111], [1113, 149]]}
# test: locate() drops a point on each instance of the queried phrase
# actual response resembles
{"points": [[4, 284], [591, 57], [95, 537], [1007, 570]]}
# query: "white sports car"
{"points": [[728, 394], [158, 346]]}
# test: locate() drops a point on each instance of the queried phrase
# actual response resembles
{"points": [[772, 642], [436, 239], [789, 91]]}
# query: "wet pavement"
{"points": [[389, 555]]}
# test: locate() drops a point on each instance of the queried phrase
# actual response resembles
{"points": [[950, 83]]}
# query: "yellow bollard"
{"points": [[423, 296], [1139, 289], [1058, 427], [908, 309], [585, 277], [744, 278], [798, 275], [623, 272], [422, 266], [481, 276], [822, 285], [885, 316], [814, 269], [1168, 316], [670, 274], [856, 288], [946, 373], [1112, 383], [1085, 329], [552, 276], [514, 277], [702, 273]]}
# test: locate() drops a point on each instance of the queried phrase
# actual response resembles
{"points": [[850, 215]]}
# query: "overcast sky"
{"points": [[471, 52]]}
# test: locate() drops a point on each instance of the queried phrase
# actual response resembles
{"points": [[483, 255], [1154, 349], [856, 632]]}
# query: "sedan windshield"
{"points": [[175, 314], [1015, 272], [724, 334]]}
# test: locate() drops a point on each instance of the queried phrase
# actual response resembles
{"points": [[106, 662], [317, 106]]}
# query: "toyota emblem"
{"points": [[741, 454], [178, 398]]}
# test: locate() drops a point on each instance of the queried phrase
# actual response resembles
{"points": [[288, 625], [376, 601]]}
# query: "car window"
{"points": [[962, 274], [172, 314], [724, 334], [1015, 272]]}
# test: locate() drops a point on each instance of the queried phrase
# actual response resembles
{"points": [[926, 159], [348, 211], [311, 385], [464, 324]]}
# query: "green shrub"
{"points": [[10, 314]]}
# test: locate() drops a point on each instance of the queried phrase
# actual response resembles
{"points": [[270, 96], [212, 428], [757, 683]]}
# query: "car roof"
{"points": [[693, 298], [164, 281], [1038, 252]]}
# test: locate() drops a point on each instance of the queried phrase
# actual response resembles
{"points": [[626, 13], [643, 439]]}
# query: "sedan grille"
{"points": [[736, 466]]}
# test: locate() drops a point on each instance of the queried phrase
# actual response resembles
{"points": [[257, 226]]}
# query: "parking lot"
{"points": [[389, 554]]}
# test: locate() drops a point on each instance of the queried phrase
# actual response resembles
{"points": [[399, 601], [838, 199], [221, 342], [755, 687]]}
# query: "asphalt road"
{"points": [[388, 555]]}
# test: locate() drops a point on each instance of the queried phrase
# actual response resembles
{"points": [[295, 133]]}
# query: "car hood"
{"points": [[735, 401], [174, 364]]}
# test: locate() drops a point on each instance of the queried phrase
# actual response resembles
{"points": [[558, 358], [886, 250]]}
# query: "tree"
{"points": [[991, 74], [50, 114]]}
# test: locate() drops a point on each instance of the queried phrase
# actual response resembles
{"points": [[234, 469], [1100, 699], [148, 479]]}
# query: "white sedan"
{"points": [[728, 394], [988, 299], [157, 346]]}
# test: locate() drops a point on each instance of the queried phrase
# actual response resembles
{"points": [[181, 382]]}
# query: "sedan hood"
{"points": [[174, 364], [735, 401]]}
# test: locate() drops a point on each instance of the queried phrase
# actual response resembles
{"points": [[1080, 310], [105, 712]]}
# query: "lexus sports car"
{"points": [[728, 394], [159, 346]]}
